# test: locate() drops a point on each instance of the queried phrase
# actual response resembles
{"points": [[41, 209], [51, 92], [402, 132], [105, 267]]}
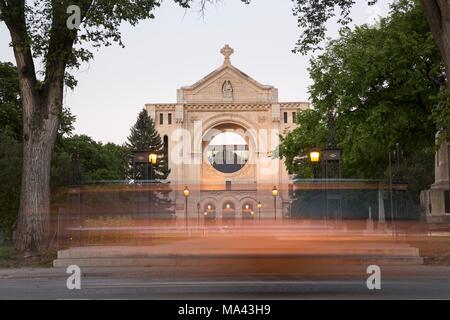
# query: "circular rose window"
{"points": [[228, 152]]}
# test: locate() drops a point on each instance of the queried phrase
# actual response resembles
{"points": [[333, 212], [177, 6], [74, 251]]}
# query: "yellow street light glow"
{"points": [[314, 155], [259, 205], [228, 206], [152, 158], [205, 213], [186, 192], [274, 191], [246, 206], [252, 213], [209, 207]]}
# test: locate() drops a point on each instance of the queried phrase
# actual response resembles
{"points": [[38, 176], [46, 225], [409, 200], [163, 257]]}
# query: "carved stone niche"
{"points": [[227, 91]]}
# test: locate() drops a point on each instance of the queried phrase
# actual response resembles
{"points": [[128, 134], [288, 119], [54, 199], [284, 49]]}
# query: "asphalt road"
{"points": [[138, 288]]}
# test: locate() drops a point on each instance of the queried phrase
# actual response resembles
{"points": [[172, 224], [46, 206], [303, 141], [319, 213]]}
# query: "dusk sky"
{"points": [[178, 48]]}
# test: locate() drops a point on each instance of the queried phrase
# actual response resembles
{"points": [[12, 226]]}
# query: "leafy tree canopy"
{"points": [[10, 108], [381, 86], [313, 15], [92, 161]]}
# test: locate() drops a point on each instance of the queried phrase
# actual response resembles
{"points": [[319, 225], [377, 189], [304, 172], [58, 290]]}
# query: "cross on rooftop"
{"points": [[227, 51]]}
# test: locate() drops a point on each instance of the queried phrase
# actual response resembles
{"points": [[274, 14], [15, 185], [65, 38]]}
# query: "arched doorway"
{"points": [[228, 210], [209, 212], [248, 209]]}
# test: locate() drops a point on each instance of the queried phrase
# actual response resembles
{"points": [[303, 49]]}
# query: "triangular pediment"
{"points": [[227, 84]]}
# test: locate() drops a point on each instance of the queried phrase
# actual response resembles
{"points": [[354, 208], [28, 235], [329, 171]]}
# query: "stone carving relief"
{"points": [[227, 90]]}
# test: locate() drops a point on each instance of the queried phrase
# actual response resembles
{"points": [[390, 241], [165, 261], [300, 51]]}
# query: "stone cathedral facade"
{"points": [[227, 177]]}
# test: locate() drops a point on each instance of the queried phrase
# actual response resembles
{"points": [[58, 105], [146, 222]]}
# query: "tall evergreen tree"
{"points": [[144, 137]]}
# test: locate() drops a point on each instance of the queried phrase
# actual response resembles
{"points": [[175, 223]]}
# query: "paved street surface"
{"points": [[422, 282]]}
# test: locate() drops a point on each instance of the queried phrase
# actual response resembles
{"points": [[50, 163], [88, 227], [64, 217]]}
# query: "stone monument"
{"points": [[436, 200]]}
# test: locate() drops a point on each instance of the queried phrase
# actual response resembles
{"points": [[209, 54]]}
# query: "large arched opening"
{"points": [[228, 154]]}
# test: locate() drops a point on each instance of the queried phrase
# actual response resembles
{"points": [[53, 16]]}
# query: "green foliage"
{"points": [[10, 147], [312, 17], [380, 84], [10, 177], [145, 137], [441, 114], [10, 109], [50, 39], [97, 161], [67, 119], [80, 159], [296, 146]]}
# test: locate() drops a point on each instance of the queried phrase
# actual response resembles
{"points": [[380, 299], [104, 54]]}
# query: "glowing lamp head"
{"points": [[259, 205], [246, 206], [209, 207], [274, 191], [152, 158], [314, 155], [228, 206], [252, 213], [205, 213], [186, 192]]}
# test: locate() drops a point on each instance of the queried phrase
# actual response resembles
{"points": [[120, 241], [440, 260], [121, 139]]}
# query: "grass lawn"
{"points": [[10, 258]]}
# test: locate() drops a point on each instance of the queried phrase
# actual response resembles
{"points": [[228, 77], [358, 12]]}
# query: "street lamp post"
{"points": [[204, 220], [152, 159], [391, 198], [198, 214], [275, 193], [259, 210], [393, 204], [186, 195], [314, 157]]}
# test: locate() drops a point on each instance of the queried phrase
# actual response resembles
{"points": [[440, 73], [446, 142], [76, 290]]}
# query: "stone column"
{"points": [[439, 194], [178, 154]]}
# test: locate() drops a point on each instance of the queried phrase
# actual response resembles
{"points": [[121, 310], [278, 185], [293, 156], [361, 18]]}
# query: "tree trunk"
{"points": [[34, 212], [42, 106], [438, 16], [40, 132]]}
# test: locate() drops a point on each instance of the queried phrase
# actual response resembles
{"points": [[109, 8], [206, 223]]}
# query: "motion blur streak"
{"points": [[110, 230]]}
